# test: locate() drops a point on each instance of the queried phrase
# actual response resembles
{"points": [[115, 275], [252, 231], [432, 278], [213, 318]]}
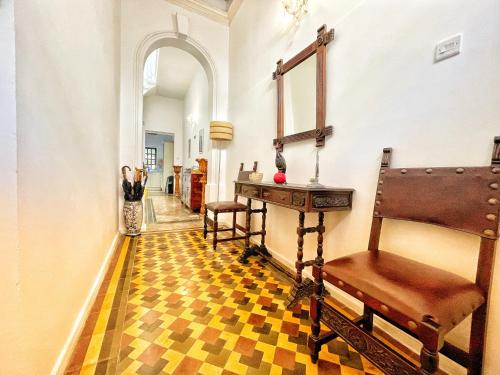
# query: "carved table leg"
{"points": [[248, 250], [300, 289], [304, 288], [262, 247], [321, 230]]}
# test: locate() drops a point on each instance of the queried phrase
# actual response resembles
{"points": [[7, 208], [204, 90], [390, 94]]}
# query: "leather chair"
{"points": [[424, 301], [227, 207]]}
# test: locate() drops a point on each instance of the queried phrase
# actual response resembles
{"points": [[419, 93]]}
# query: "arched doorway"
{"points": [[163, 41]]}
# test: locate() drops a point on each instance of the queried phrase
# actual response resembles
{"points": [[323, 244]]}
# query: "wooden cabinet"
{"points": [[192, 189]]}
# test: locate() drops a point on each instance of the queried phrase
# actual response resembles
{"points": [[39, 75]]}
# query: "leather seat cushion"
{"points": [[410, 289], [226, 206]]}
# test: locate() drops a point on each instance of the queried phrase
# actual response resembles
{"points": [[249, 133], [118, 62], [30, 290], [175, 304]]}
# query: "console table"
{"points": [[304, 199]]}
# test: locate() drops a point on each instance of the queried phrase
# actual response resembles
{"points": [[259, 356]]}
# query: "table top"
{"points": [[292, 186]]}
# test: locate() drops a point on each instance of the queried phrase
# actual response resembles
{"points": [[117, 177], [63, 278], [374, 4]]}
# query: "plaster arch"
{"points": [[150, 43]]}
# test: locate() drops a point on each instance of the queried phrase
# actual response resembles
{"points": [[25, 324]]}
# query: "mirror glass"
{"points": [[299, 97]]}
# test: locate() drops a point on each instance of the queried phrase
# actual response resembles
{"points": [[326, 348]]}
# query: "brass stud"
{"points": [[460, 170], [359, 294], [382, 171], [428, 171], [376, 213], [377, 203], [412, 325], [403, 171], [491, 217], [384, 308], [380, 182], [464, 314], [492, 201], [454, 322], [379, 192], [489, 232], [323, 275], [494, 186], [495, 170], [341, 283]]}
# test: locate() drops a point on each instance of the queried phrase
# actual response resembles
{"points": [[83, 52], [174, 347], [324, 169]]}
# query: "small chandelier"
{"points": [[296, 8]]}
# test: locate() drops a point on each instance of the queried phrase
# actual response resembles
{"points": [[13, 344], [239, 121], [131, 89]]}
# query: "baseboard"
{"points": [[67, 350]]}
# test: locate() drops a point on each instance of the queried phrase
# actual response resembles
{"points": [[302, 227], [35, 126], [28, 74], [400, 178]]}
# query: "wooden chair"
{"points": [[227, 207], [423, 301]]}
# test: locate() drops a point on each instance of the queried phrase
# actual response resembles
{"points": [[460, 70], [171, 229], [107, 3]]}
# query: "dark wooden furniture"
{"points": [[301, 198], [317, 47], [192, 189], [228, 207], [203, 168], [423, 301], [177, 171]]}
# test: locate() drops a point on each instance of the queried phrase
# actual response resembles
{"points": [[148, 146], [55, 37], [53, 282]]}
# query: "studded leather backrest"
{"points": [[466, 199]]}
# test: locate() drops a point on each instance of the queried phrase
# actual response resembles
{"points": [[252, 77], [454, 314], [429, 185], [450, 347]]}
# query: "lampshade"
{"points": [[221, 131]]}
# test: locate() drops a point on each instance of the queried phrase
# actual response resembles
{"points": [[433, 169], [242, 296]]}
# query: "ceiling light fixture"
{"points": [[296, 8]]}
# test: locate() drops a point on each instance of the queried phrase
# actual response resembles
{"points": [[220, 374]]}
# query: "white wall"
{"points": [[66, 82], [165, 115], [9, 266], [196, 118], [383, 90]]}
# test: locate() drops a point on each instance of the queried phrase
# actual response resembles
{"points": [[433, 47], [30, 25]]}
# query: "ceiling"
{"points": [[176, 70], [222, 11], [219, 4]]}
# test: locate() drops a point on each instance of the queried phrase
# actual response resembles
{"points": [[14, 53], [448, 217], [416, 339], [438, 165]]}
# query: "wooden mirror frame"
{"points": [[318, 47]]}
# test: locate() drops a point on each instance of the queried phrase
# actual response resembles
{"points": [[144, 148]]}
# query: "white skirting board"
{"points": [[81, 318]]}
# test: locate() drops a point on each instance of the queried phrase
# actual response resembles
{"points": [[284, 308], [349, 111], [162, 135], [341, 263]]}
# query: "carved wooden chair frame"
{"points": [[480, 217], [226, 207]]}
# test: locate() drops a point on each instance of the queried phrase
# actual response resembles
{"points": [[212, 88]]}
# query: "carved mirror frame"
{"points": [[318, 48]]}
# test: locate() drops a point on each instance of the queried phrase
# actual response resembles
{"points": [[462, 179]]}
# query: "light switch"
{"points": [[448, 48]]}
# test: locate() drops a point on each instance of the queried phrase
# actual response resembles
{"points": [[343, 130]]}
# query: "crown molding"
{"points": [[233, 9], [208, 11]]}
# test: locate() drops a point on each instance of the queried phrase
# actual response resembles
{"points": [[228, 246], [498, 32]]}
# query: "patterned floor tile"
{"points": [[186, 309]]}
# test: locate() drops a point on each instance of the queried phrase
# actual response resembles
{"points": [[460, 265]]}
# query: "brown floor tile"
{"points": [[284, 358], [188, 366]]}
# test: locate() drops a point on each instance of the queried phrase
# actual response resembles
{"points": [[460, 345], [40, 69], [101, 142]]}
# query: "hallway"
{"points": [[313, 130], [171, 305], [166, 212]]}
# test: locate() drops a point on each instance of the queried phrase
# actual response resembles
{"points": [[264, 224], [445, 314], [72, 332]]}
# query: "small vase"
{"points": [[280, 177], [132, 212]]}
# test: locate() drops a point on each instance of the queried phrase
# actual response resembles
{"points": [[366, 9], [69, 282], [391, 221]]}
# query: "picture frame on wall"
{"points": [[200, 141]]}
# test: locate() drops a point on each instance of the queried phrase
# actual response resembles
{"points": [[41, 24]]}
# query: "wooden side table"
{"points": [[301, 198]]}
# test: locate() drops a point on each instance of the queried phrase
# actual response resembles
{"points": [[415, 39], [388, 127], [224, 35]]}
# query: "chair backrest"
{"points": [[462, 198], [245, 175]]}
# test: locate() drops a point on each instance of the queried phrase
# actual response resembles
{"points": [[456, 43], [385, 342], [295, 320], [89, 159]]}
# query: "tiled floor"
{"points": [[173, 306], [166, 212]]}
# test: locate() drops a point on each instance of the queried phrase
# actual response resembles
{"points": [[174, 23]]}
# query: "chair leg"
{"points": [[476, 343], [315, 312], [368, 322], [234, 224], [216, 228], [205, 228], [429, 361]]}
